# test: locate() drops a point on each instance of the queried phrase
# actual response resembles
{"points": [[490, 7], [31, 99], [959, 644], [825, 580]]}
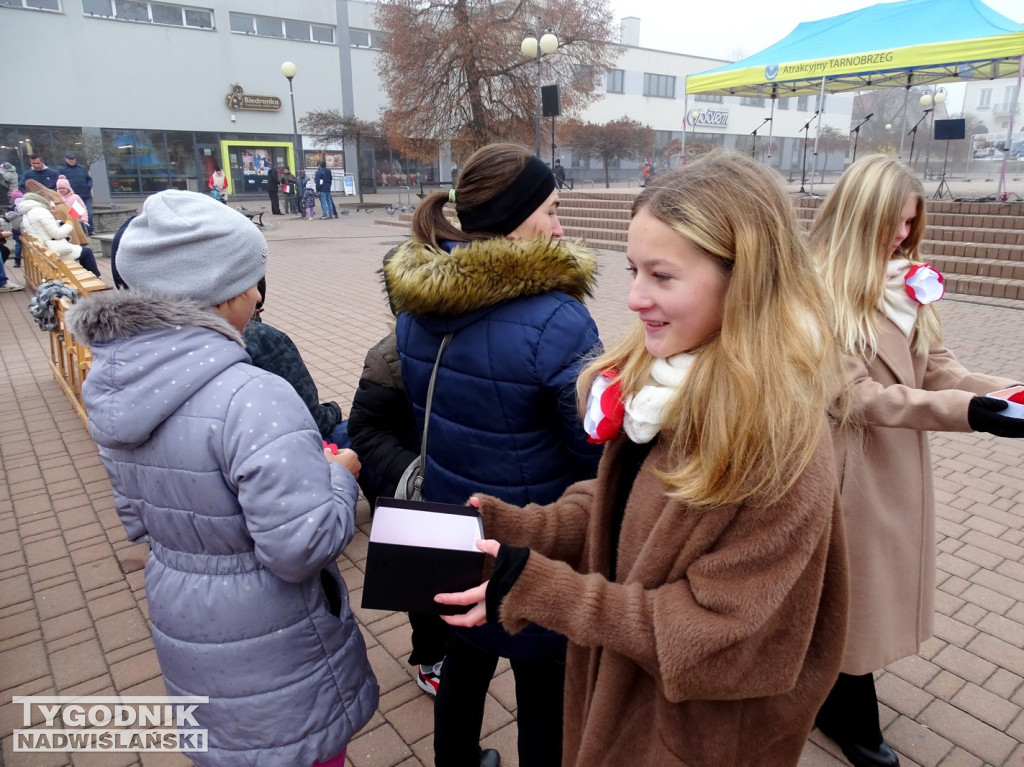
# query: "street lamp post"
{"points": [[533, 49], [931, 101], [288, 69]]}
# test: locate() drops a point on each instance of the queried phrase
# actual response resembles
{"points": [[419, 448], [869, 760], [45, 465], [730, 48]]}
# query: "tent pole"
{"points": [[686, 122], [817, 128], [771, 125], [903, 130], [1009, 129]]}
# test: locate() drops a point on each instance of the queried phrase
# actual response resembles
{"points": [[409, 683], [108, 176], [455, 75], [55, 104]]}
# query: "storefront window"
{"points": [[17, 142], [250, 163]]}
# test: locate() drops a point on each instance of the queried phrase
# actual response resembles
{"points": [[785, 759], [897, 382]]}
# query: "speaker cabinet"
{"points": [[550, 106], [950, 130]]}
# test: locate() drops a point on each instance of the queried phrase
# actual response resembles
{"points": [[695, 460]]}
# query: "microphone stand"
{"points": [[913, 134], [803, 167], [753, 146], [856, 135]]}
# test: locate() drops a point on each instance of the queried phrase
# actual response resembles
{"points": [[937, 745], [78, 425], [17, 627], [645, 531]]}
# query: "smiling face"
{"points": [[678, 292], [905, 224], [542, 222]]}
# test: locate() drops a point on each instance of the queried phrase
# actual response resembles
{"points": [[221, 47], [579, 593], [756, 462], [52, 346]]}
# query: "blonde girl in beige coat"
{"points": [[866, 238], [700, 578]]}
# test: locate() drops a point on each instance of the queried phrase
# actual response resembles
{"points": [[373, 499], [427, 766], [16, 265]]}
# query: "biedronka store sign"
{"points": [[238, 100]]}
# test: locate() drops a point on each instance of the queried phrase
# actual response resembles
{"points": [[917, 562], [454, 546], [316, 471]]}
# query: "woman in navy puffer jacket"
{"points": [[503, 419]]}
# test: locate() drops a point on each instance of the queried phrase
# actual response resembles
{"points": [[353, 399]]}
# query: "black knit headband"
{"points": [[514, 205]]}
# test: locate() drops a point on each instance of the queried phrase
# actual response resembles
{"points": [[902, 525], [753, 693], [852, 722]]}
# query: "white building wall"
{"points": [[145, 76]]}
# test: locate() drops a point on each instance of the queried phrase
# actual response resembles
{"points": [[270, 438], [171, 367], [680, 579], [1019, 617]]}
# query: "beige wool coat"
{"points": [[887, 495], [721, 634]]}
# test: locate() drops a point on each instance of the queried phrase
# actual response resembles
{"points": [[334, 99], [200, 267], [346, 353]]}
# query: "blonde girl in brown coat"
{"points": [[701, 577], [867, 239]]}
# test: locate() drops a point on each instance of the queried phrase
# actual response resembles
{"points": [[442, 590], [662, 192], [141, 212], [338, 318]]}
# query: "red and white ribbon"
{"points": [[924, 284], [605, 409]]}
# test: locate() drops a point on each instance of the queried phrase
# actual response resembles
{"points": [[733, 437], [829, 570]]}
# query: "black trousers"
{"points": [[275, 206], [88, 260], [429, 634], [459, 707], [850, 712]]}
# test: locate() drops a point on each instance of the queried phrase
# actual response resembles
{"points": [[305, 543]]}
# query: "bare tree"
{"points": [[332, 127], [830, 140], [453, 69], [621, 139]]}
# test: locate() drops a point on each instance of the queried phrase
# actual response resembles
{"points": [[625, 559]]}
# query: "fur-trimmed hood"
{"points": [[122, 314], [424, 279], [151, 354]]}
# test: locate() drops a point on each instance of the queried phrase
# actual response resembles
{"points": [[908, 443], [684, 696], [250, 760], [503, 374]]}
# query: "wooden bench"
{"points": [[425, 185], [69, 360]]}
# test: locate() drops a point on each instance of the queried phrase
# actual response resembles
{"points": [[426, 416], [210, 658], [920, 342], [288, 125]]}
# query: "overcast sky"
{"points": [[724, 28]]}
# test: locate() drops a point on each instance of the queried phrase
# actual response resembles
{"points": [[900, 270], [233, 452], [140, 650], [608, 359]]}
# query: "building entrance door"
{"points": [[207, 160]]}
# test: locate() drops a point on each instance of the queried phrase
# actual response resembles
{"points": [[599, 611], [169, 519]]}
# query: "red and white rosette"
{"points": [[605, 408], [924, 284]]}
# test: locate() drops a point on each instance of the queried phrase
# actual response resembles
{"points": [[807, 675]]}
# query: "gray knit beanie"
{"points": [[188, 245]]}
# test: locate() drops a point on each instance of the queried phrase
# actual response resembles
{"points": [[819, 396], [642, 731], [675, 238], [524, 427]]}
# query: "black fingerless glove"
{"points": [[984, 414], [507, 567]]}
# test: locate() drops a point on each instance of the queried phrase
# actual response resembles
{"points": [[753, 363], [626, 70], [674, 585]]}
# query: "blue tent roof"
{"points": [[938, 40]]}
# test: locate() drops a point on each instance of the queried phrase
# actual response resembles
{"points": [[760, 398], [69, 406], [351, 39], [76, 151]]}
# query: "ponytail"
{"points": [[430, 223]]}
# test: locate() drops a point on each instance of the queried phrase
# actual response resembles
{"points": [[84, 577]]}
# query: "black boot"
{"points": [[849, 717]]}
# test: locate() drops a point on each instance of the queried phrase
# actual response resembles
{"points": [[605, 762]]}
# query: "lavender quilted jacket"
{"points": [[220, 466]]}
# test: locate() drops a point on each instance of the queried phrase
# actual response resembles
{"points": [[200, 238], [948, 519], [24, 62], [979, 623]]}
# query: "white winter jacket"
{"points": [[38, 221]]}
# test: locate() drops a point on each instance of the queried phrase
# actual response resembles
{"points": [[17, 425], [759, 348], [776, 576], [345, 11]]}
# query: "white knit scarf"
{"points": [[646, 409], [895, 303]]}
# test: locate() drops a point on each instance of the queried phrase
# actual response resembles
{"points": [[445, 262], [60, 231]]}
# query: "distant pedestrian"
{"points": [[309, 199], [324, 178], [81, 182], [272, 186], [8, 183], [38, 171], [218, 185], [289, 190], [559, 172]]}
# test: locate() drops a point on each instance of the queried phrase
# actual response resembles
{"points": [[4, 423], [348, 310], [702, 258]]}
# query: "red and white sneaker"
{"points": [[429, 677]]}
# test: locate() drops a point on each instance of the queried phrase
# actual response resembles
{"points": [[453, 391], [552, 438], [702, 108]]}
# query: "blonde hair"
{"points": [[852, 239], [752, 412]]}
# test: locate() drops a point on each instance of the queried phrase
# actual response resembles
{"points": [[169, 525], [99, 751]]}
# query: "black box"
{"points": [[419, 549], [950, 130]]}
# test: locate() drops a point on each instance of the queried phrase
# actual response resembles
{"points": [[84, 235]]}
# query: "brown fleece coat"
{"points": [[888, 500], [721, 635]]}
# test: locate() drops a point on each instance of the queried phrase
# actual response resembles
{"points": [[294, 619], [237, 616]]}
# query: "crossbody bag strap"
{"points": [[430, 396]]}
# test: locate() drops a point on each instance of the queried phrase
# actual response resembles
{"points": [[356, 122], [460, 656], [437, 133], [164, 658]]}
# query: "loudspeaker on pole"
{"points": [[550, 105]]}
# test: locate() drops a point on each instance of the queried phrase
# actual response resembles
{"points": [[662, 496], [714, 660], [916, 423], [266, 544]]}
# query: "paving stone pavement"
{"points": [[73, 613]]}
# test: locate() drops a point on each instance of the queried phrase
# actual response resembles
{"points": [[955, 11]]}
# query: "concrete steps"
{"points": [[978, 246]]}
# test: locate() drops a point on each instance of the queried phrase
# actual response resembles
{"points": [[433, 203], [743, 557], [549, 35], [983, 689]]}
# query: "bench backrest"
{"points": [[69, 360]]}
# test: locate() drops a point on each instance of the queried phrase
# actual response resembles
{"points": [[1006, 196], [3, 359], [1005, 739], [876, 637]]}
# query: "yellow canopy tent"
{"points": [[901, 44]]}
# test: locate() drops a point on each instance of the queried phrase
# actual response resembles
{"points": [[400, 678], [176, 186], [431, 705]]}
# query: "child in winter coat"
{"points": [[701, 578], [219, 466], [72, 200], [309, 199]]}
